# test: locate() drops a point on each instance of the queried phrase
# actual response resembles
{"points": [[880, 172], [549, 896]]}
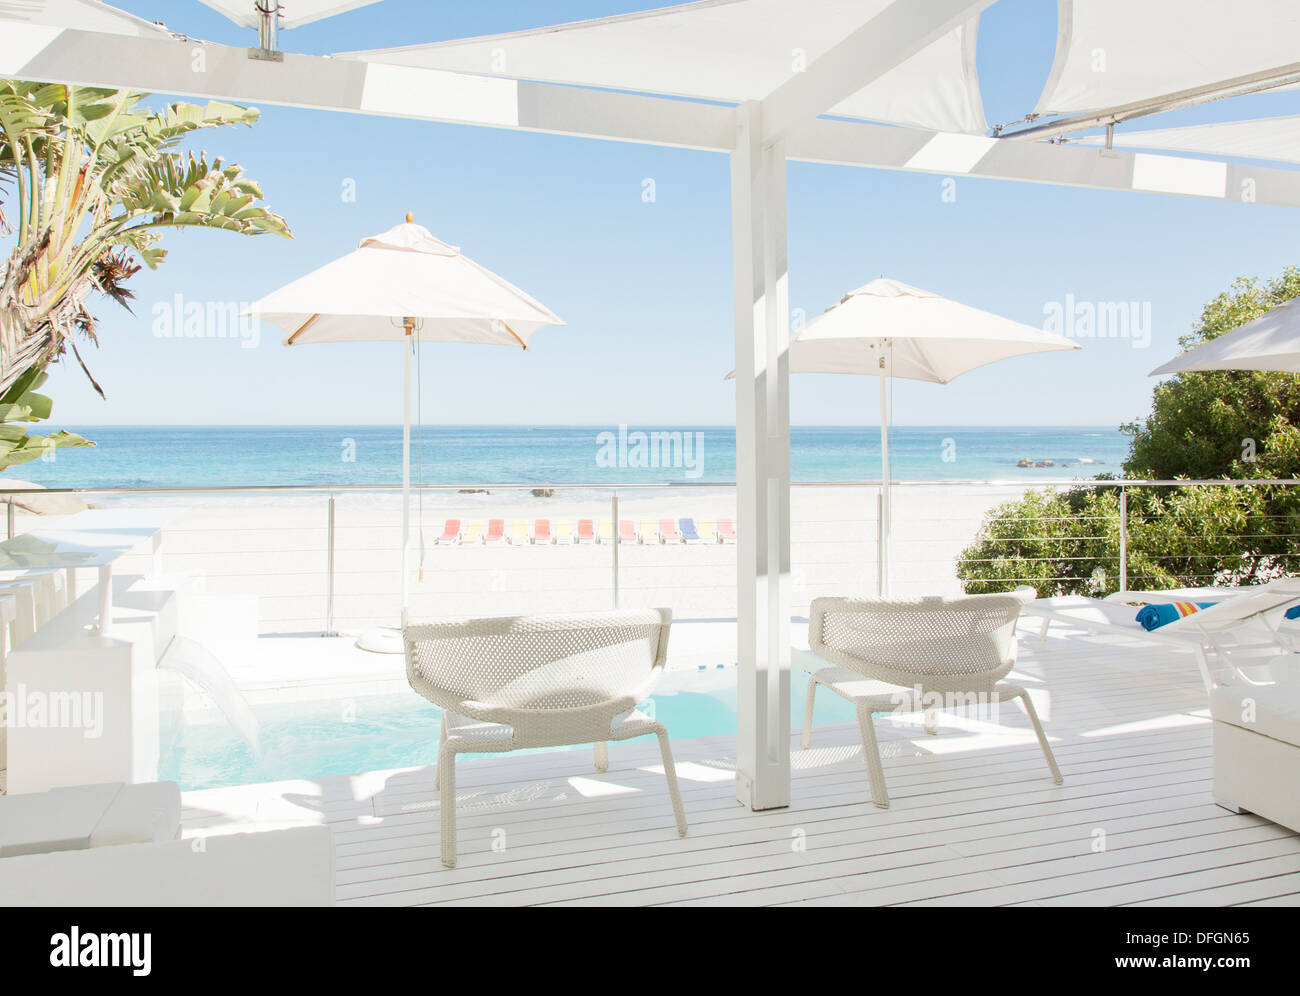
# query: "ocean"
{"points": [[221, 456]]}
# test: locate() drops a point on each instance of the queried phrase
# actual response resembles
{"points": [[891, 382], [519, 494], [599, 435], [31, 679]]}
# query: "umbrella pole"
{"points": [[883, 556], [409, 324]]}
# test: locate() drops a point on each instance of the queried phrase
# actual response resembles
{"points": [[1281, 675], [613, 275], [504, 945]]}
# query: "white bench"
{"points": [[1257, 750]]}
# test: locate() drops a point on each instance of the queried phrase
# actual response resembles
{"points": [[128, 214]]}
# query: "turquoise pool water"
{"points": [[344, 736]]}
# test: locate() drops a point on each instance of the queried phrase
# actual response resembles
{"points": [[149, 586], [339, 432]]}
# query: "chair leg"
{"points": [[602, 755], [871, 754], [447, 805], [1032, 713], [670, 773], [442, 741], [805, 741]]}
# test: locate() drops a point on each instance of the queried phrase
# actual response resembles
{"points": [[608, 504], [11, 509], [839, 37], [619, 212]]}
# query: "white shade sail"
{"points": [[921, 336], [294, 13], [404, 272], [1270, 342], [1113, 52], [729, 50], [88, 15], [1276, 139]]}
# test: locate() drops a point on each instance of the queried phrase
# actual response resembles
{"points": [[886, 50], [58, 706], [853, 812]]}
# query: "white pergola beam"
{"points": [[889, 39], [204, 70], [851, 143]]}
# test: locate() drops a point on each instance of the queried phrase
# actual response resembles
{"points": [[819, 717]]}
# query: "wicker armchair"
{"points": [[539, 681], [914, 656]]}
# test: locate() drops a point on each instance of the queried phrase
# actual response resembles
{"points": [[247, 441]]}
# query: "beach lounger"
{"points": [[450, 532], [689, 532], [519, 533], [649, 531], [626, 531], [496, 531], [586, 531], [605, 531], [473, 534], [1238, 624], [708, 531], [726, 531], [563, 531], [668, 531], [542, 531]]}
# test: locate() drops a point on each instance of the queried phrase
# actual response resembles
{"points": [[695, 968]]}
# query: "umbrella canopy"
{"points": [[403, 286], [404, 273], [920, 335], [1270, 342]]}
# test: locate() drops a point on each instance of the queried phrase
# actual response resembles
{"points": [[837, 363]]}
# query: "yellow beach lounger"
{"points": [[605, 531], [519, 532], [563, 531], [649, 531], [708, 531], [473, 533]]}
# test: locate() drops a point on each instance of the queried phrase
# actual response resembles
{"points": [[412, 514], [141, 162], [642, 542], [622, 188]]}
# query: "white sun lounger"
{"points": [[1219, 629]]}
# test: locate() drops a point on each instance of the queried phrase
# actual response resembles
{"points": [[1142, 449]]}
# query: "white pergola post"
{"points": [[758, 206]]}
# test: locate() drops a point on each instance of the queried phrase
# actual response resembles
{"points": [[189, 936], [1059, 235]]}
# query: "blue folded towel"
{"points": [[1154, 616], [1293, 612]]}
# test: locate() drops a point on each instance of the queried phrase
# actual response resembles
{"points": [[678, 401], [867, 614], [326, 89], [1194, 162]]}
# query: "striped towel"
{"points": [[1154, 616]]}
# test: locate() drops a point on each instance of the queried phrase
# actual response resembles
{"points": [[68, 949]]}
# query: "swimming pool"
{"points": [[349, 735]]}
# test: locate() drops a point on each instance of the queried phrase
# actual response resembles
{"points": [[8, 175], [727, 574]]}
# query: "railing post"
{"points": [[613, 501], [1123, 539], [11, 517], [329, 573]]}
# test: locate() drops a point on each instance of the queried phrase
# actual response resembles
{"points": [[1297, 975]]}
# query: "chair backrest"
{"points": [[958, 644], [539, 662]]}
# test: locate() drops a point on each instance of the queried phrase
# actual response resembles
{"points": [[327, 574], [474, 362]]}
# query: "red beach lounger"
{"points": [[726, 531], [496, 531], [586, 531], [451, 532], [542, 531], [626, 531], [668, 530]]}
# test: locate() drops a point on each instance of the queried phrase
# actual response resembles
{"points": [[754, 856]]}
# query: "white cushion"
{"points": [[140, 814], [64, 819], [1269, 710]]}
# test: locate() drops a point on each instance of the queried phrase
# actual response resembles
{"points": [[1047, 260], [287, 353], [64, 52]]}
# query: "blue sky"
{"points": [[646, 288]]}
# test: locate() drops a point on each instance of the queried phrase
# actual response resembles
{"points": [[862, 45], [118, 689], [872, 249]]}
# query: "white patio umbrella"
{"points": [[1270, 342], [403, 286], [887, 329]]}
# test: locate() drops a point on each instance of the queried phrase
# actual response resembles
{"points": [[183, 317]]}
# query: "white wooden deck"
{"points": [[974, 819]]}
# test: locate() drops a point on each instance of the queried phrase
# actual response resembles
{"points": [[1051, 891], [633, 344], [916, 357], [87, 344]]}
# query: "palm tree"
{"points": [[96, 178]]}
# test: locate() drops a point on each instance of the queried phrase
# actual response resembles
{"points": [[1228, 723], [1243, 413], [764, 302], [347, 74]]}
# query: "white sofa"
{"points": [[1257, 750]]}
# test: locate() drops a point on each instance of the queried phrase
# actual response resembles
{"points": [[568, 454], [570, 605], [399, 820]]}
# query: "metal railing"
{"points": [[925, 570]]}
